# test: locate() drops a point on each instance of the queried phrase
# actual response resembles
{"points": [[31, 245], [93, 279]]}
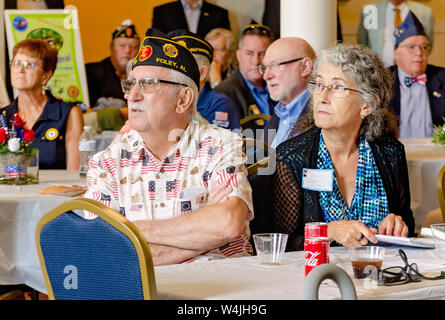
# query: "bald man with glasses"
{"points": [[286, 67]]}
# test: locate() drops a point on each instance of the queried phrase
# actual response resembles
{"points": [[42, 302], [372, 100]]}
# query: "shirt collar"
{"points": [[181, 148], [293, 108], [400, 6], [254, 89], [402, 76], [48, 113], [186, 6], [53, 112]]}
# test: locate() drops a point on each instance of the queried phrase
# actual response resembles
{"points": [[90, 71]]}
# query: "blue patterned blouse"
{"points": [[369, 203]]}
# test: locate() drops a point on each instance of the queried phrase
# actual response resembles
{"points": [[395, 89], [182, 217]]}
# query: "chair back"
{"points": [[254, 117], [328, 271], [440, 184], [106, 258], [254, 121], [256, 150], [262, 221]]}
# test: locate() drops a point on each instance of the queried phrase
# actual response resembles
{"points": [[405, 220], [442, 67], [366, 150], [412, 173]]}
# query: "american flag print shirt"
{"points": [[129, 179]]}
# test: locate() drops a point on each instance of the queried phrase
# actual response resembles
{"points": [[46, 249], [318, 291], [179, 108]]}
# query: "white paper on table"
{"points": [[439, 234], [426, 232], [411, 242]]}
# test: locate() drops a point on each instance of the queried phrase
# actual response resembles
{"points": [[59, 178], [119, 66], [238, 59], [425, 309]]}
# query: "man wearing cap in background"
{"points": [[246, 86], [183, 184], [104, 77], [418, 94], [379, 20], [215, 107]]}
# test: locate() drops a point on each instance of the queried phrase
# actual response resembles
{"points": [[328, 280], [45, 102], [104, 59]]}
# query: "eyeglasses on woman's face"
{"points": [[146, 85], [15, 64], [335, 90]]}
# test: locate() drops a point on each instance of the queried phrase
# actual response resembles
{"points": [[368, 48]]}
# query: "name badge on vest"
{"points": [[318, 179]]}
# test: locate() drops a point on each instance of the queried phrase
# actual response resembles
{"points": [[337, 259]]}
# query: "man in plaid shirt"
{"points": [[184, 185]]}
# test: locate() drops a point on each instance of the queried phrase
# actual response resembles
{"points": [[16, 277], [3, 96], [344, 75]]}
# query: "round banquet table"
{"points": [[424, 159], [21, 207]]}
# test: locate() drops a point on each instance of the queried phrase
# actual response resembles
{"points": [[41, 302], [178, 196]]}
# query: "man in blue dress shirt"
{"points": [[286, 68], [215, 107], [246, 86]]}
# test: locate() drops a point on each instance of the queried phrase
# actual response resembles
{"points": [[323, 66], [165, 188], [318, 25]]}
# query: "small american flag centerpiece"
{"points": [[18, 161]]}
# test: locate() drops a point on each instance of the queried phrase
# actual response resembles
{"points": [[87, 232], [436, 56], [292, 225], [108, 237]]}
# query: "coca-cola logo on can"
{"points": [[316, 252]]}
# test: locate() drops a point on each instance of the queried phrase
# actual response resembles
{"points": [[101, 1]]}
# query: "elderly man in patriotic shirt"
{"points": [[183, 184], [418, 95]]}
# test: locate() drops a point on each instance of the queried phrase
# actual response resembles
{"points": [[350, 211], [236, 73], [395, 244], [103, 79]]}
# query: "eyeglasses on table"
{"points": [[398, 275]]}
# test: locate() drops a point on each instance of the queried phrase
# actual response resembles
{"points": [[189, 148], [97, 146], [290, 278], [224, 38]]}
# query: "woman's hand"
{"points": [[351, 233], [393, 225]]}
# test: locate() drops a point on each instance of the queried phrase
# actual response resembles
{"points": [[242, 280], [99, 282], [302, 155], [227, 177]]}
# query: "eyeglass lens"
{"points": [[335, 89], [146, 85], [273, 66], [422, 47], [26, 64]]}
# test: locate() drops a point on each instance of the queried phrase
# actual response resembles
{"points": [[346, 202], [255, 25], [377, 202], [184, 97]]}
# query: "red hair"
{"points": [[38, 48]]}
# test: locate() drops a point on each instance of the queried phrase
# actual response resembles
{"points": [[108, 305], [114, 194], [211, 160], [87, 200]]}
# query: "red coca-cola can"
{"points": [[316, 252], [315, 229]]}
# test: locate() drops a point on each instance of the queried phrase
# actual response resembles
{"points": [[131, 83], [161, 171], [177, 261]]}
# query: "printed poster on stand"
{"points": [[60, 28]]}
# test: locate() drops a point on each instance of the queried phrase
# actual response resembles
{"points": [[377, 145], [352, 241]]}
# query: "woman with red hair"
{"points": [[57, 125]]}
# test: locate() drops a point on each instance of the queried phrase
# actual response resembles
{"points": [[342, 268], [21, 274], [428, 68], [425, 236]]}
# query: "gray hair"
{"points": [[372, 78], [129, 67], [179, 77], [203, 61], [230, 39]]}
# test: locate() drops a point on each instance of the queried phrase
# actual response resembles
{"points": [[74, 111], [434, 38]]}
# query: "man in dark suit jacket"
{"points": [[104, 77], [171, 16], [419, 88], [246, 86], [435, 86]]}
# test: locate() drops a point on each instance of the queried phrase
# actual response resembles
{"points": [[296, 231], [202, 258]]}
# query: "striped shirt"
{"points": [[129, 179]]}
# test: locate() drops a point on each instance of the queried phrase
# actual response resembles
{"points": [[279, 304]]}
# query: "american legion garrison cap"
{"points": [[125, 30], [411, 26], [157, 49], [193, 42]]}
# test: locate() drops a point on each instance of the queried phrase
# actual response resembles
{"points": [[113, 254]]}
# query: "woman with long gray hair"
{"points": [[347, 168]]}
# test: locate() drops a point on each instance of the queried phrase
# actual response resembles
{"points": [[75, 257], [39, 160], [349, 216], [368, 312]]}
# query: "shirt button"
{"points": [[158, 177], [162, 205], [162, 170]]}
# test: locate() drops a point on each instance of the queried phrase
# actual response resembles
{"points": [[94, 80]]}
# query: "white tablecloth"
{"points": [[21, 207], [424, 160], [246, 279]]}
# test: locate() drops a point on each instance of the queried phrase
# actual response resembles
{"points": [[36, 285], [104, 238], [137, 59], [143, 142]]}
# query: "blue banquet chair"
{"points": [[106, 258]]}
